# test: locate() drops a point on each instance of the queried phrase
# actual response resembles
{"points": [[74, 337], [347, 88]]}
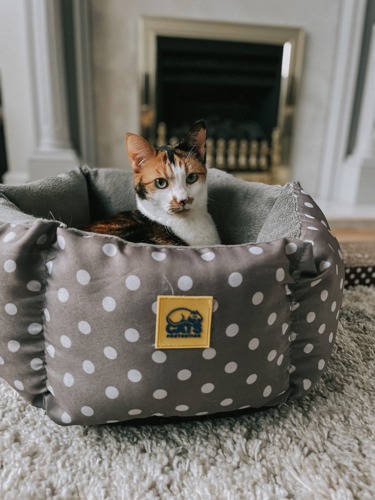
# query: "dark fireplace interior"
{"points": [[234, 86]]}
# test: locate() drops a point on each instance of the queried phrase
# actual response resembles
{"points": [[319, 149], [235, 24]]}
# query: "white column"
{"points": [[358, 182], [54, 153]]}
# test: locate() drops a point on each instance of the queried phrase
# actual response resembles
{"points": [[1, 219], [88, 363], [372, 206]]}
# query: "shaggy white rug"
{"points": [[322, 447]]}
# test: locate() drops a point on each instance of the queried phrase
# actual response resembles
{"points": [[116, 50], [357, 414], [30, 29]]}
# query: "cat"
{"points": [[171, 193]]}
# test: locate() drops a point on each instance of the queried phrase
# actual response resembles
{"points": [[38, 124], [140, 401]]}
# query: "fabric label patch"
{"points": [[183, 322]]}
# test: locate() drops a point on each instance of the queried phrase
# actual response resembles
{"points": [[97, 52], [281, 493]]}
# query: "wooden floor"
{"points": [[344, 234]]}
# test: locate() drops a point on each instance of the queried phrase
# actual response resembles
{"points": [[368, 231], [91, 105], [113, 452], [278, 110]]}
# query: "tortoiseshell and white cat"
{"points": [[171, 193]]}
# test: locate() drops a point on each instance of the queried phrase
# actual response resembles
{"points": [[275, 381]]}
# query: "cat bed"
{"points": [[97, 330]]}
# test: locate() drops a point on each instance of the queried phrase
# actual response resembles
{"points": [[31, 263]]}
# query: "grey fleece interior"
{"points": [[243, 212]]}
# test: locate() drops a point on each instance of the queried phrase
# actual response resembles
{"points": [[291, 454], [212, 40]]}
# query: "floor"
{"points": [[344, 234]]}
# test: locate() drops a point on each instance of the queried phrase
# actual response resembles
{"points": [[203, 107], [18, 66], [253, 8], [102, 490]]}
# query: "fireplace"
{"points": [[242, 80]]}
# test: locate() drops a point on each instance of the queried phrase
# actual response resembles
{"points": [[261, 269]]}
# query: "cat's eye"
{"points": [[191, 178], [161, 183]]}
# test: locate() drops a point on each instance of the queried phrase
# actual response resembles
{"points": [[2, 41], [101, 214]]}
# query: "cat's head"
{"points": [[170, 180]]}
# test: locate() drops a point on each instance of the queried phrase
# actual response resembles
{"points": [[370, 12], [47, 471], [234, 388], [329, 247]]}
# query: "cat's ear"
{"points": [[139, 150], [195, 140]]}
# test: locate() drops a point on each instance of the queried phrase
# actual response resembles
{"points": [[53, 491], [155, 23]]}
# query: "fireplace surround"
{"points": [[242, 79]]}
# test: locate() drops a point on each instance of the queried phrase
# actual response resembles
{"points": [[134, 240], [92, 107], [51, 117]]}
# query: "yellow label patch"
{"points": [[183, 322]]}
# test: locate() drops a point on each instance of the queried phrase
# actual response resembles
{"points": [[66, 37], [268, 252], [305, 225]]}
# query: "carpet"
{"points": [[321, 447]]}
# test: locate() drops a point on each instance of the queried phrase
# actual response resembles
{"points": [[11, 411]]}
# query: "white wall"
{"points": [[16, 84]]}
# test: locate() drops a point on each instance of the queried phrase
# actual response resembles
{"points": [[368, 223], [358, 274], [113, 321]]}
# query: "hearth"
{"points": [[241, 79]]}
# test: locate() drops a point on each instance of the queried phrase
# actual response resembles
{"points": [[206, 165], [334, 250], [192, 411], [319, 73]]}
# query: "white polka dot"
{"points": [[66, 418], [309, 216], [109, 304], [215, 306], [154, 307], [322, 328], [49, 266], [182, 408], [330, 338], [208, 256], [159, 357], [159, 256], [306, 384], [34, 286], [42, 239], [333, 306], [324, 295], [68, 380], [308, 204], [184, 375], [257, 298], [209, 353], [65, 341], [315, 282], [2, 362], [110, 352], [271, 318], [207, 388], [61, 241], [51, 390], [36, 364], [131, 335], [291, 369], [112, 392], [308, 348], [11, 309], [47, 315], [232, 330], [226, 402], [291, 248], [51, 350], [280, 360], [251, 379], [321, 364], [267, 391], [235, 279], [324, 265], [109, 249], [256, 250], [84, 327], [312, 228], [134, 376], [185, 283], [292, 337], [63, 295], [19, 385], [132, 282], [284, 328], [83, 277], [87, 411], [280, 274], [253, 344], [134, 412], [160, 394], [9, 237], [10, 266], [13, 345], [34, 328], [230, 367], [272, 355], [310, 317], [88, 367], [201, 413], [294, 306]]}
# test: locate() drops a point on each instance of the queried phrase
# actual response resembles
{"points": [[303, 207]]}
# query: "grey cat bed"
{"points": [[78, 311]]}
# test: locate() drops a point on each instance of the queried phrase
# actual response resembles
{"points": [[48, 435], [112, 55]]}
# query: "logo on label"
{"points": [[183, 322]]}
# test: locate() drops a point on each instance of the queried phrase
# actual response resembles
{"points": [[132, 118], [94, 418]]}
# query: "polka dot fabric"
{"points": [[78, 316]]}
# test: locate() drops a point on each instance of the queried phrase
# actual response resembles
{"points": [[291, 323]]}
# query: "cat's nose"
{"points": [[183, 202]]}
